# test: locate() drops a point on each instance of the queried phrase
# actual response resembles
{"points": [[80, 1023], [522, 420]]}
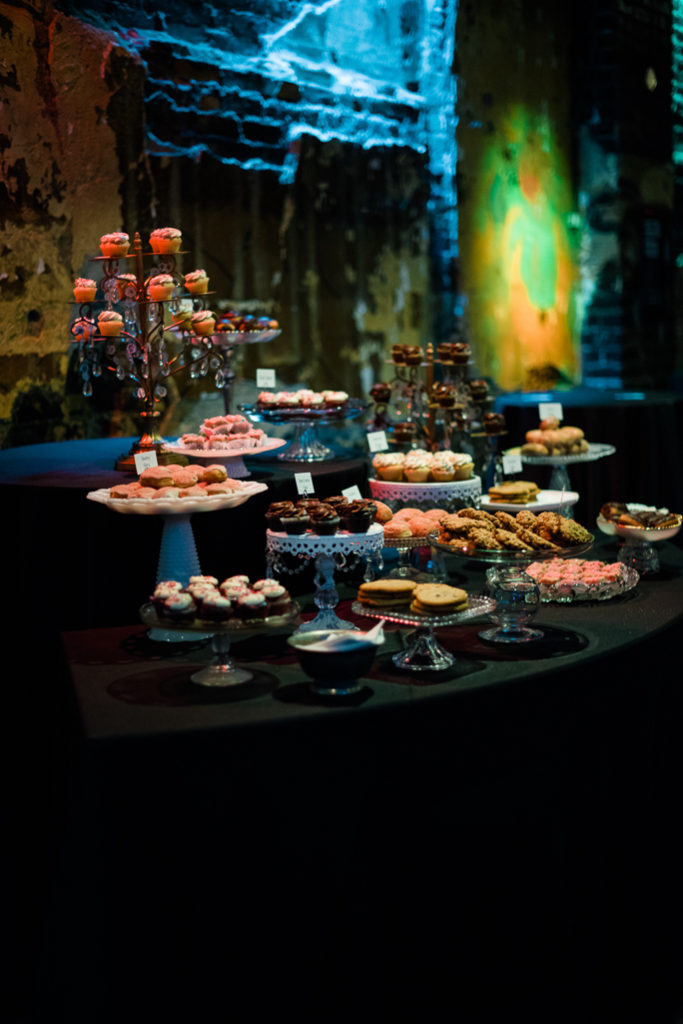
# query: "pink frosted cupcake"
{"points": [[165, 240], [116, 243], [84, 289], [160, 287], [197, 282], [110, 323], [203, 322], [417, 466], [389, 465]]}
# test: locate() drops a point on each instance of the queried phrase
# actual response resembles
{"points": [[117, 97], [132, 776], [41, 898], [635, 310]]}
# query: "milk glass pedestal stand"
{"points": [[329, 554], [451, 494], [178, 559]]}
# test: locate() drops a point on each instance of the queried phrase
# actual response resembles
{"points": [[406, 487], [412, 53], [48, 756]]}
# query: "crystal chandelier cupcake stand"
{"points": [[141, 347]]}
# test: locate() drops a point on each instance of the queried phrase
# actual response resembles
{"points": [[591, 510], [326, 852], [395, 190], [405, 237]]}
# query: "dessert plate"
{"points": [[546, 501]]}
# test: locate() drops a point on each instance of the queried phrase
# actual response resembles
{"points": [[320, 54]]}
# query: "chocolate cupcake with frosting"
{"points": [[358, 517], [324, 520]]}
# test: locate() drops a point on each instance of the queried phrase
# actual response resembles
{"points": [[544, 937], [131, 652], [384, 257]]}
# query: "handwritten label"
{"points": [[352, 493], [304, 483], [144, 460], [512, 464], [548, 409], [265, 378], [377, 441]]}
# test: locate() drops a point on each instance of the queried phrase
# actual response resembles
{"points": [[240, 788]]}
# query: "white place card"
{"points": [[304, 484], [547, 409], [377, 441], [512, 464], [265, 378], [144, 460], [352, 493]]}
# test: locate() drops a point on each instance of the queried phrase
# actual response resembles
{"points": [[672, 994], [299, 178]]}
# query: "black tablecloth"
{"points": [[501, 843]]}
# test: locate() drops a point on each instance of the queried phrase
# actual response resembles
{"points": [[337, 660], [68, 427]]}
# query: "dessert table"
{"points": [[78, 550], [385, 854]]}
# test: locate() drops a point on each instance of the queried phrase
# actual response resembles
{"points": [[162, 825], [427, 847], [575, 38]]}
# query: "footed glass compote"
{"points": [[222, 671], [517, 599]]}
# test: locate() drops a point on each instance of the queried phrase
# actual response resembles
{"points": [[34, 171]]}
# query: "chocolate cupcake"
{"points": [[460, 352], [275, 511], [296, 521], [413, 355], [358, 516], [278, 599], [494, 423], [404, 431], [324, 520], [380, 392], [479, 390]]}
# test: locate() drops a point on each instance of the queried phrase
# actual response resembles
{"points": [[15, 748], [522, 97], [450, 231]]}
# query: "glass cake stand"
{"points": [[510, 558], [223, 671], [559, 477], [638, 548], [306, 447], [407, 549], [424, 653], [328, 554]]}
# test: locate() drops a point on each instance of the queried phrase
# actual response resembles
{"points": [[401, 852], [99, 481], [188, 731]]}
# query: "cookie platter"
{"points": [[507, 557], [477, 605]]}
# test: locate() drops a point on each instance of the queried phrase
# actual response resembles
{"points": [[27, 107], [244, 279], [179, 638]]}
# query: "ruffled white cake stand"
{"points": [[431, 495], [328, 553]]}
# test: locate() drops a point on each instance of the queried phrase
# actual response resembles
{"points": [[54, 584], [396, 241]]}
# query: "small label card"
{"points": [[352, 493], [377, 441], [512, 464], [143, 460], [547, 409], [265, 378], [304, 484]]}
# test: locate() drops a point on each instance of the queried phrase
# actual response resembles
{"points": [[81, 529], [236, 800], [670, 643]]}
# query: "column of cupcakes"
{"points": [[450, 394], [407, 393]]}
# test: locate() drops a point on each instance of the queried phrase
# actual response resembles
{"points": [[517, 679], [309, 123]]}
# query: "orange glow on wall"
{"points": [[519, 263]]}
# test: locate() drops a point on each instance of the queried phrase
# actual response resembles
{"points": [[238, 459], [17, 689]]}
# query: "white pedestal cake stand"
{"points": [[231, 458], [328, 553], [178, 559]]}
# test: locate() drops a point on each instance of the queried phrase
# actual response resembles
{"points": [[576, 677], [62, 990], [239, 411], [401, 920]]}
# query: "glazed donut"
{"points": [[156, 476], [550, 423], [214, 474]]}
